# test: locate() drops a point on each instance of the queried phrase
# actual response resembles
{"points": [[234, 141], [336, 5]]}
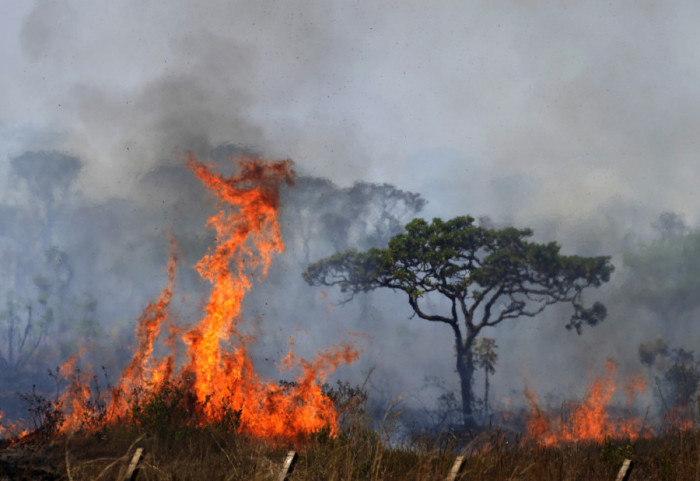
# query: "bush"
{"points": [[45, 415], [163, 412]]}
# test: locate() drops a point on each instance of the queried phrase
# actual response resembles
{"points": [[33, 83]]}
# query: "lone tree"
{"points": [[483, 276]]}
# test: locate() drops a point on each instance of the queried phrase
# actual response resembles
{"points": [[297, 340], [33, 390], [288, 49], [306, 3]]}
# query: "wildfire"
{"points": [[588, 420], [11, 430], [218, 377], [683, 418]]}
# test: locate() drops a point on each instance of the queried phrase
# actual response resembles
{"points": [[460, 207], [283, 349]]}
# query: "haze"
{"points": [[579, 119]]}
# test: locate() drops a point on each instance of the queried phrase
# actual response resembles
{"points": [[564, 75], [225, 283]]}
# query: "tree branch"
{"points": [[413, 301]]}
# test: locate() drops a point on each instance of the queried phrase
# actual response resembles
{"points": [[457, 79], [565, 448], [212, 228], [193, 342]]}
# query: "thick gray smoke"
{"points": [[578, 120]]}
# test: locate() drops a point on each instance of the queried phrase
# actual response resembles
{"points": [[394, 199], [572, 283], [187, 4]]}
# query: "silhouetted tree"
{"points": [[326, 218], [37, 273], [49, 176], [677, 372], [484, 276], [665, 274], [26, 322], [670, 224]]}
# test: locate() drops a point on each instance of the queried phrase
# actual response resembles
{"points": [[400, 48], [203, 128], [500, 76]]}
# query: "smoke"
{"points": [[564, 106], [578, 120]]}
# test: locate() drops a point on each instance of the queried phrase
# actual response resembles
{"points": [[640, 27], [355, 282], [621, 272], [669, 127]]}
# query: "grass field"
{"points": [[356, 453]]}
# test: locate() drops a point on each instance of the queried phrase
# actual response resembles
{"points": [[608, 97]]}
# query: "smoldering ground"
{"points": [[575, 120]]}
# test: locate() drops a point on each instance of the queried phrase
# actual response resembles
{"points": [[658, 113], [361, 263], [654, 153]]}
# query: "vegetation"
{"points": [[676, 373], [327, 218], [38, 300], [175, 450], [26, 324], [477, 276], [665, 273]]}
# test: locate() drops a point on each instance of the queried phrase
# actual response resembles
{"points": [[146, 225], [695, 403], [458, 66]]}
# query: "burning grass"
{"points": [[212, 380], [355, 453], [590, 419], [166, 423]]}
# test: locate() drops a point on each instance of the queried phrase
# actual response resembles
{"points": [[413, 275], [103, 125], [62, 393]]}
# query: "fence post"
{"points": [[625, 470], [287, 466], [132, 470], [456, 468]]}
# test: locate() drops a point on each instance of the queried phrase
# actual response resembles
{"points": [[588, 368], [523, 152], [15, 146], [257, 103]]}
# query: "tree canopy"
{"points": [[472, 266], [487, 275]]}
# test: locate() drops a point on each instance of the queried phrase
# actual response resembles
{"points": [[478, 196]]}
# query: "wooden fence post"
{"points": [[287, 466], [133, 465], [625, 470], [456, 468]]}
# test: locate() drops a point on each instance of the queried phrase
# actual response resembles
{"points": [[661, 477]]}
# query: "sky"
{"points": [[578, 117], [522, 108]]}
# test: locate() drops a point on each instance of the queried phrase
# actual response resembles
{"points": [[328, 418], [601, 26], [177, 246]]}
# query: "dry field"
{"points": [[354, 454]]}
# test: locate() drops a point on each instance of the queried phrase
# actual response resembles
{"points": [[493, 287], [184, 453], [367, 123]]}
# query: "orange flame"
{"points": [[682, 418], [12, 430], [219, 375], [141, 374], [589, 419]]}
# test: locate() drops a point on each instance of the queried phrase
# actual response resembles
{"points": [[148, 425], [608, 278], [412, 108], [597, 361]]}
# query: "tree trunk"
{"points": [[11, 337], [465, 369], [486, 392]]}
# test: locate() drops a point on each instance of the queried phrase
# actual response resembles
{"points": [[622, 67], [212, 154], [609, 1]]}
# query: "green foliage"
{"points": [[614, 452], [163, 412], [473, 266], [230, 420], [485, 355], [171, 411]]}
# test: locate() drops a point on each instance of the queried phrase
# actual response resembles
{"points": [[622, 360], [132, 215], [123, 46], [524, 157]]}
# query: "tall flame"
{"points": [[255, 193], [218, 375]]}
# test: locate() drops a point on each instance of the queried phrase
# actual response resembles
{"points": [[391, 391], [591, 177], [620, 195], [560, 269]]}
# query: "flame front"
{"points": [[588, 420], [218, 376]]}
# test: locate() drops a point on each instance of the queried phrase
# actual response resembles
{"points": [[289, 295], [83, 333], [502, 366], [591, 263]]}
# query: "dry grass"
{"points": [[356, 454], [175, 449]]}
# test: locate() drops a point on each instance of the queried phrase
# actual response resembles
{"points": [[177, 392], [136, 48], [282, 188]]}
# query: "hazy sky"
{"points": [[514, 108]]}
